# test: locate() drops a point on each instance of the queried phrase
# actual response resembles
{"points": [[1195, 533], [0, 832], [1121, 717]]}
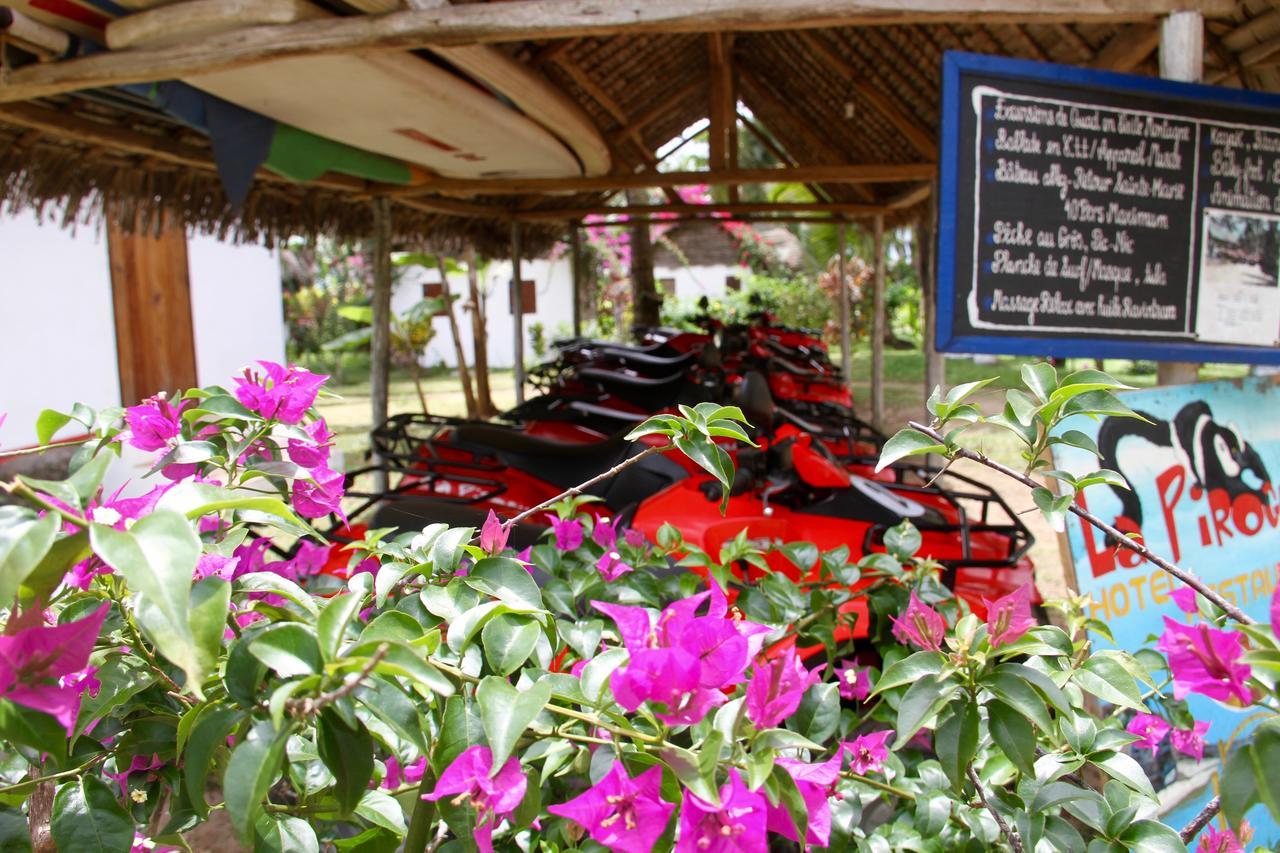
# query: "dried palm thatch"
{"points": [[851, 95]]}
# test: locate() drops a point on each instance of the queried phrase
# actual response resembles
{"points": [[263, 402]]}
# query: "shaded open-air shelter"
{"points": [[845, 94]]}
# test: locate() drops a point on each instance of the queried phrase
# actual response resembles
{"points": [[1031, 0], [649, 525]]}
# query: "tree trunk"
{"points": [[40, 816], [464, 376], [648, 304], [415, 370], [484, 397]]}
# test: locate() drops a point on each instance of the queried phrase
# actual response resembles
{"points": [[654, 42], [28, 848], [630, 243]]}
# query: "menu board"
{"points": [[1088, 213]]}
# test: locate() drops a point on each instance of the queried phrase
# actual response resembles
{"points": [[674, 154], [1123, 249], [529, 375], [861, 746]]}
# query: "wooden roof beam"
{"points": [[640, 121], [1128, 48], [864, 173], [528, 20], [725, 211], [818, 191], [916, 136]]}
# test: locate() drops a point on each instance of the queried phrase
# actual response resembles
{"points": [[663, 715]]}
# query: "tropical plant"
{"points": [[411, 331]]}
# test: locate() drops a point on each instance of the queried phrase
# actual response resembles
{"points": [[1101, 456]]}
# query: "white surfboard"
{"points": [[391, 103]]}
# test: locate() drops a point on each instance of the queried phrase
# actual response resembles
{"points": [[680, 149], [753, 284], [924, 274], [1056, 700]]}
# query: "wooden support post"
{"points": [[575, 249], [842, 294], [935, 365], [380, 342], [1181, 58], [517, 309], [878, 329]]}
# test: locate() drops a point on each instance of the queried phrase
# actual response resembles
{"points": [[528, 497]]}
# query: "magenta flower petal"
{"points": [[633, 537], [1206, 660], [854, 681], [284, 393], [611, 567], [1215, 840], [605, 533], [814, 782], [468, 780], [319, 496], [1009, 617], [1191, 741], [920, 625], [1185, 598], [493, 536], [154, 423], [868, 752], [738, 824], [634, 623], [568, 533], [776, 688], [34, 660], [1150, 728], [622, 813]]}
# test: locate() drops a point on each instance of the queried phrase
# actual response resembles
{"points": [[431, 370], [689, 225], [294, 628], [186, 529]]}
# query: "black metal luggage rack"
{"points": [[975, 503]]}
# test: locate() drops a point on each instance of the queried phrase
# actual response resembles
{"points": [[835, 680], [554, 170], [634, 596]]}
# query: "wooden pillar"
{"points": [[842, 294], [380, 341], [517, 308], [1181, 58], [878, 329], [935, 372], [575, 248]]}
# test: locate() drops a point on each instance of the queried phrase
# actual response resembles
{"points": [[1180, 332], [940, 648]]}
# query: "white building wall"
{"points": [[58, 345], [236, 307], [694, 282]]}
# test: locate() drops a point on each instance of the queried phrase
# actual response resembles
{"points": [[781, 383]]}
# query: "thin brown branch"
{"points": [[582, 487], [44, 448], [1192, 829], [310, 705], [1010, 834], [1113, 534]]}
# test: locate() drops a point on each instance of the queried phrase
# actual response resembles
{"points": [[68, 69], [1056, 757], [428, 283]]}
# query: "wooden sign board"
{"points": [[1093, 214]]}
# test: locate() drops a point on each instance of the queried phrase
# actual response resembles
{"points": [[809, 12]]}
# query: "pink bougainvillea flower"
{"points": [[468, 781], [313, 452], [854, 680], [868, 752], [605, 533], [284, 394], [33, 661], [320, 495], [737, 824], [154, 423], [568, 533], [1185, 598], [1275, 612], [814, 782], [681, 660], [409, 774], [1216, 840], [215, 565], [776, 688], [1191, 741], [493, 536], [611, 567], [250, 557], [920, 625], [1150, 729], [139, 764], [623, 814], [1009, 617], [633, 537], [1206, 660]]}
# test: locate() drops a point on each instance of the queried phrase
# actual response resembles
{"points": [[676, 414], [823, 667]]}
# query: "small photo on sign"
{"points": [[1239, 298]]}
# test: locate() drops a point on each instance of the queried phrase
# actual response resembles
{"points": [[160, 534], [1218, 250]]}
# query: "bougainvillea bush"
{"points": [[195, 654]]}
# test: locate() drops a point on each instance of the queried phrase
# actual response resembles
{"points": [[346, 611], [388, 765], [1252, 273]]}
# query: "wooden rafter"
{"points": [[526, 20], [916, 136], [727, 211], [817, 190], [1128, 48], [1068, 34], [640, 121], [863, 173]]}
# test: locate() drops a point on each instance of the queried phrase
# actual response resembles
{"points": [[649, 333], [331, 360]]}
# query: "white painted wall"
{"points": [[58, 344], [236, 307], [694, 282]]}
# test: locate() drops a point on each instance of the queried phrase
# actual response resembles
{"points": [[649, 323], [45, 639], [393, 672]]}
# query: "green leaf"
{"points": [[692, 771], [1013, 734], [1265, 753], [348, 753], [22, 546], [254, 765], [903, 541], [22, 725], [921, 701], [583, 637], [86, 817], [907, 442], [956, 742], [87, 479], [331, 626], [1041, 682], [506, 580], [507, 712], [1023, 407], [595, 675], [819, 712], [909, 670], [460, 728], [15, 835], [1057, 793], [288, 648], [48, 573], [1238, 786], [382, 810], [48, 423], [272, 582], [283, 834], [1124, 769], [802, 555], [711, 458], [1075, 438], [388, 702], [1104, 677], [1149, 836], [1052, 507], [782, 787], [119, 679], [960, 393], [209, 733], [1021, 696], [207, 615], [1041, 379], [508, 640]]}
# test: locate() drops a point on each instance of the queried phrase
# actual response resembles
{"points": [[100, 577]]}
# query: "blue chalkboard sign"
{"points": [[1089, 213]]}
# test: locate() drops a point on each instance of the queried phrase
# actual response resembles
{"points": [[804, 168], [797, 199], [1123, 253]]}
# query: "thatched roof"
{"points": [[825, 96]]}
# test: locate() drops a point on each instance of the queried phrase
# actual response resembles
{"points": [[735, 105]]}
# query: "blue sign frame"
{"points": [[955, 65]]}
